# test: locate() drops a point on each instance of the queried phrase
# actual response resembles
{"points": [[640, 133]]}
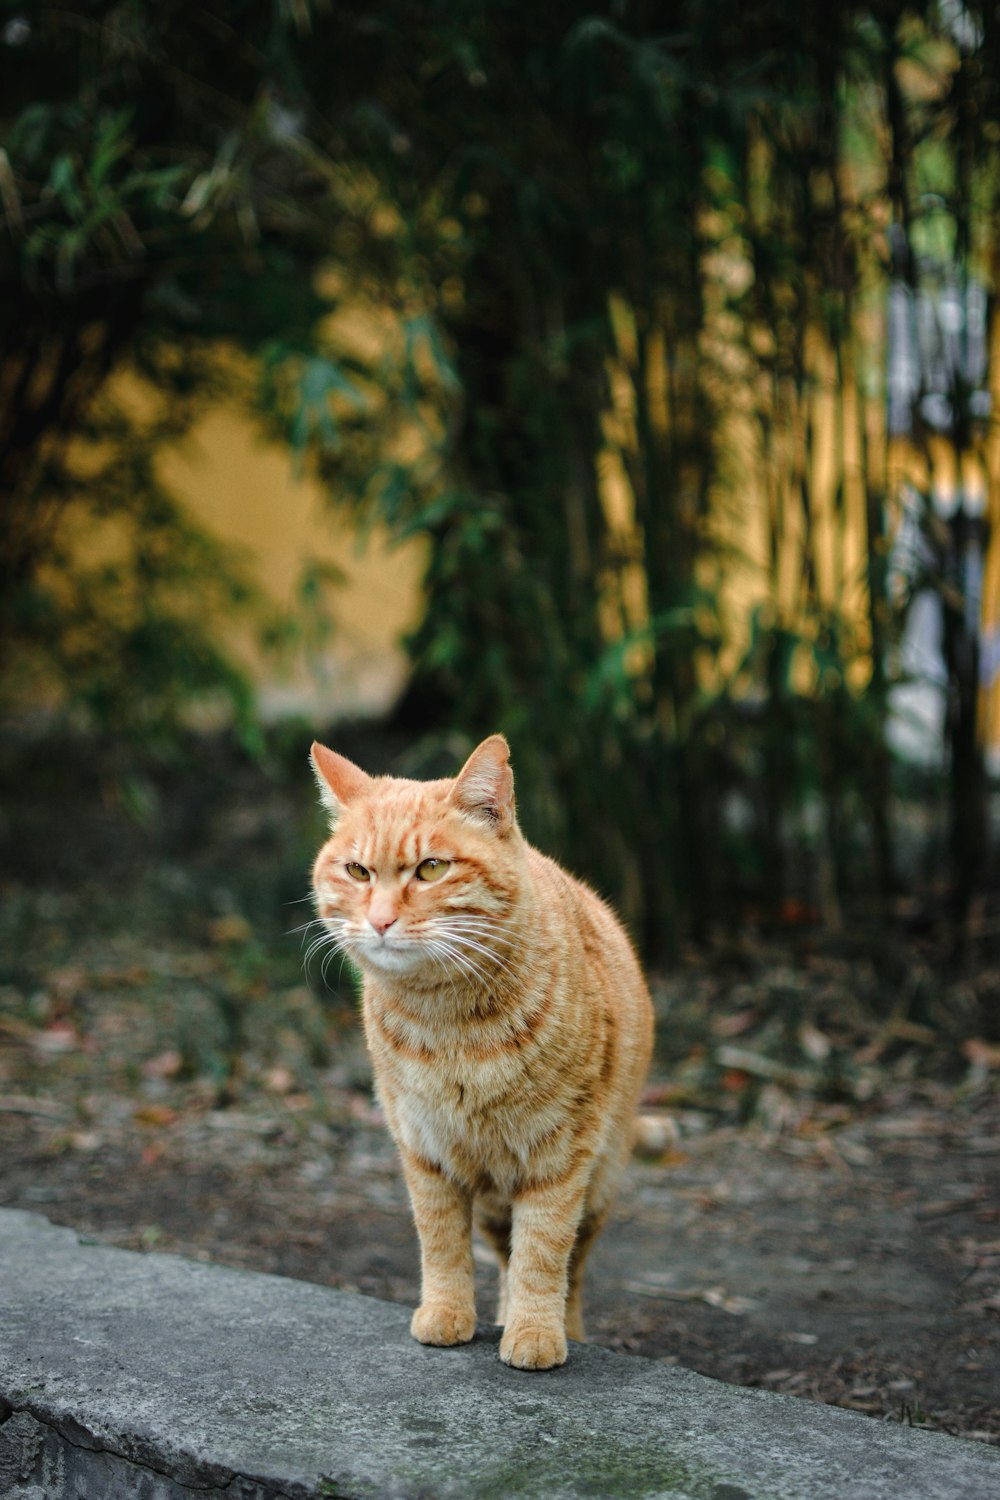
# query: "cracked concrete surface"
{"points": [[155, 1378]]}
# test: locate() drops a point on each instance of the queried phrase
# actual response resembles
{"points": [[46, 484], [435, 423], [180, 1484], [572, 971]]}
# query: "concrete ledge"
{"points": [[155, 1378]]}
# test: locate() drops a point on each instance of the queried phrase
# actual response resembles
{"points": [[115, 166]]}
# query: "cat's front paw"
{"points": [[533, 1347], [441, 1324]]}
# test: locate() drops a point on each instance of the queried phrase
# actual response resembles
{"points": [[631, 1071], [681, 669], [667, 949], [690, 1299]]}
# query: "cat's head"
{"points": [[418, 877]]}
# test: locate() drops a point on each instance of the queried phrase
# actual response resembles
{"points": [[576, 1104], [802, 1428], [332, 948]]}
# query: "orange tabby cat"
{"points": [[510, 1031]]}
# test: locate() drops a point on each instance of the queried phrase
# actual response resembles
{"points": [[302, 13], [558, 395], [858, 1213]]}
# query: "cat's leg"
{"points": [[601, 1194], [442, 1212], [495, 1228], [589, 1228], [543, 1233]]}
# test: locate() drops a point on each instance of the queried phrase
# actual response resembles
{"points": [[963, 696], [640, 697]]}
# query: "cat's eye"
{"points": [[356, 871], [432, 869]]}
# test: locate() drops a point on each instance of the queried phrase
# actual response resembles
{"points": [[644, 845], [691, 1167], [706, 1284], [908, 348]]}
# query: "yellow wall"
{"points": [[245, 491]]}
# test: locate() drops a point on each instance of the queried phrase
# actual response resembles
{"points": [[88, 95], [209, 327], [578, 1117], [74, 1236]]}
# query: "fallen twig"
{"points": [[712, 1296], [22, 1104]]}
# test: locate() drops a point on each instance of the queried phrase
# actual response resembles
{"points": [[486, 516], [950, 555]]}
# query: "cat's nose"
{"points": [[381, 924]]}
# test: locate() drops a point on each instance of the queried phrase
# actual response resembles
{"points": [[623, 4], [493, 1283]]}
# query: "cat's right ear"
{"points": [[339, 779]]}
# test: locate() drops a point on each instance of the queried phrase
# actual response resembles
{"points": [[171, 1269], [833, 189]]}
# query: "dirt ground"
{"points": [[815, 1207], [862, 1268]]}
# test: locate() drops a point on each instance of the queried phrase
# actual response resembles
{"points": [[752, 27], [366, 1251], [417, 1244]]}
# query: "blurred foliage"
{"points": [[158, 212], [610, 264], [662, 244]]}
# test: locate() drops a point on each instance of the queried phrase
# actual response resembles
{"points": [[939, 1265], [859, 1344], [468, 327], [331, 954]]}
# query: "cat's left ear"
{"points": [[339, 779], [484, 788]]}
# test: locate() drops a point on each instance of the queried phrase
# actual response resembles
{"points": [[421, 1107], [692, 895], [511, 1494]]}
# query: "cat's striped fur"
{"points": [[510, 1031]]}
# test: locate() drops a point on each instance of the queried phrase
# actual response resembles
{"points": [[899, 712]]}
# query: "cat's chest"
{"points": [[452, 1062], [463, 1099], [456, 1076], [483, 1136]]}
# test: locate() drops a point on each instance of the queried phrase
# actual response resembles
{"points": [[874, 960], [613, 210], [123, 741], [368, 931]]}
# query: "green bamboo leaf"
{"points": [[111, 145], [63, 183]]}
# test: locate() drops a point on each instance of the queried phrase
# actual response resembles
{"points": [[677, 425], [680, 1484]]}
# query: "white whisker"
{"points": [[478, 929], [461, 961], [433, 952], [485, 939], [323, 965], [446, 923], [329, 941], [460, 956], [465, 942], [525, 967], [318, 948], [316, 922]]}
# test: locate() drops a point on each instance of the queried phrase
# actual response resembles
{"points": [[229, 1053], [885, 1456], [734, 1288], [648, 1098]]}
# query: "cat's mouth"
{"points": [[394, 955]]}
